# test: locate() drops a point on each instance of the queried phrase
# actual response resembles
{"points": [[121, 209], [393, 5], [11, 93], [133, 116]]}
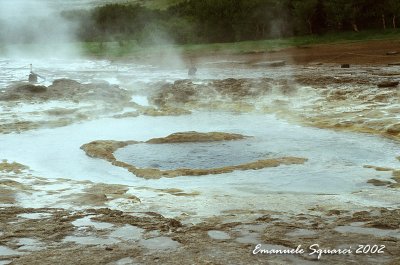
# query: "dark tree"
{"points": [[319, 19]]}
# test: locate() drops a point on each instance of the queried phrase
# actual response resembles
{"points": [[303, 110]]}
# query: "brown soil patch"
{"points": [[369, 52], [372, 52]]}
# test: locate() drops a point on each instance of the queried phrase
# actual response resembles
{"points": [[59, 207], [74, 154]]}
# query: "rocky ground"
{"points": [[93, 233], [363, 98], [80, 224]]}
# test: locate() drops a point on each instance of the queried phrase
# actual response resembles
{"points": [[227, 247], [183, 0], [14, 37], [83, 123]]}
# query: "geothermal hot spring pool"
{"points": [[333, 172], [191, 155]]}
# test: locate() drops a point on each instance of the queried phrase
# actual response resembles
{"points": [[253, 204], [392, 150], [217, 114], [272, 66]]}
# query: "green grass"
{"points": [[277, 44], [133, 49]]}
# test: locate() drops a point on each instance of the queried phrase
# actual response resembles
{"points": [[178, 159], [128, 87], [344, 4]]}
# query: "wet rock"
{"points": [[361, 216], [109, 189], [7, 196], [333, 212], [66, 89], [164, 111], [321, 81], [183, 137], [184, 92], [51, 228], [345, 65], [271, 63], [389, 219], [65, 84], [15, 185], [339, 94], [61, 111], [148, 221], [88, 199], [126, 115], [32, 88], [377, 182], [378, 168], [267, 218], [178, 192], [104, 149], [14, 167], [17, 92], [388, 84], [393, 129], [396, 177], [239, 89], [392, 53], [106, 211]]}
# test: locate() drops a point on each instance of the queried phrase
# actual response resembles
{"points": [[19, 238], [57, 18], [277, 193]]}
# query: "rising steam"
{"points": [[33, 28]]}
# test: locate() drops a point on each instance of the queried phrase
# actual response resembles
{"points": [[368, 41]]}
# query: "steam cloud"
{"points": [[33, 28]]}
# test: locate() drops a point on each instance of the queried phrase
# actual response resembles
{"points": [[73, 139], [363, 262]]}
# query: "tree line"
{"points": [[208, 21]]}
